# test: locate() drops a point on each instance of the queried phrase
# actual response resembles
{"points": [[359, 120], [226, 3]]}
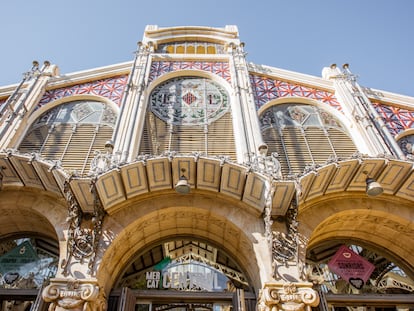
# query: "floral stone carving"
{"points": [[74, 295], [287, 296]]}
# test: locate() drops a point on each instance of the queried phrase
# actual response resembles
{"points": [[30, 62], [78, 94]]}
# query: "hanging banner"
{"points": [[352, 267]]}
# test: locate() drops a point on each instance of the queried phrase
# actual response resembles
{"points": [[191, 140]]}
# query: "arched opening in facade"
{"points": [[184, 274], [29, 249], [181, 255], [366, 262], [186, 115], [71, 133], [303, 135]]}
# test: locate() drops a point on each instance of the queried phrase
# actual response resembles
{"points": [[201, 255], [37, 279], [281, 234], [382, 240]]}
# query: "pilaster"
{"points": [[376, 139], [23, 101], [133, 107], [244, 111]]}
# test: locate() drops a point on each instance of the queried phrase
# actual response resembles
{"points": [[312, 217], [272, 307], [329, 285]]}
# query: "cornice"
{"points": [[90, 75], [154, 32]]}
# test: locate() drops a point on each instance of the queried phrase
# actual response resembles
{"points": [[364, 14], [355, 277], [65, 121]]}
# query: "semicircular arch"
{"points": [[29, 212], [306, 101], [222, 226], [377, 229], [188, 73], [78, 97]]}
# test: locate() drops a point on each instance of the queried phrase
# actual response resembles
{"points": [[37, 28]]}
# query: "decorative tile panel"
{"points": [[159, 68], [266, 89], [396, 119], [111, 88]]}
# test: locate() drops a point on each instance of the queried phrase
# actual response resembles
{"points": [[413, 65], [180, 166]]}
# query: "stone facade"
{"points": [[190, 156]]}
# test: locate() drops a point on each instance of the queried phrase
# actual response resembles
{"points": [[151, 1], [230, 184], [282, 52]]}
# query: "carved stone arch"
{"points": [[25, 211], [372, 223], [135, 227]]}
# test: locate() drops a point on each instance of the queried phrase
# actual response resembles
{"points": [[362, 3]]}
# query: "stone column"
{"points": [[287, 296], [74, 295]]}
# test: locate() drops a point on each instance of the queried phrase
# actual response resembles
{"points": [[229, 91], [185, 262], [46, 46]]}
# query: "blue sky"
{"points": [[374, 36]]}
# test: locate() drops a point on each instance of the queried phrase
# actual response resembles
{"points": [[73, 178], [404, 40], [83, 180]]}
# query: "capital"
{"points": [[287, 296], [74, 295]]}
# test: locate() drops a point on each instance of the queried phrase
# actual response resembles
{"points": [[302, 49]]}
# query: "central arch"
{"points": [[232, 230]]}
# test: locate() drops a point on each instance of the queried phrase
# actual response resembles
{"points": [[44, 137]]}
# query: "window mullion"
{"points": [[74, 127], [85, 162], [302, 130], [50, 130], [282, 140]]}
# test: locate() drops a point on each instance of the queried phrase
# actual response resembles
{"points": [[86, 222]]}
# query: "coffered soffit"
{"points": [[208, 175]]}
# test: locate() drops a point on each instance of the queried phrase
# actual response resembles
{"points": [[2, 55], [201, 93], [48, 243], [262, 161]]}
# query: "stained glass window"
{"points": [[189, 101]]}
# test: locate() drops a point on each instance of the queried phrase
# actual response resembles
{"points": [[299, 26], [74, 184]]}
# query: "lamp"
{"points": [[182, 186], [373, 187]]}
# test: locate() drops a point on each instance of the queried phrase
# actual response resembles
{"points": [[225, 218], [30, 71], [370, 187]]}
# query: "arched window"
{"points": [[189, 114], [71, 133], [406, 144], [303, 135]]}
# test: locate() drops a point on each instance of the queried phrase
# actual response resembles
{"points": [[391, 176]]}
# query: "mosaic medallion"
{"points": [[189, 101]]}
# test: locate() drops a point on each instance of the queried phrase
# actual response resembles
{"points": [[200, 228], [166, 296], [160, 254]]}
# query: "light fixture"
{"points": [[373, 187], [182, 186]]}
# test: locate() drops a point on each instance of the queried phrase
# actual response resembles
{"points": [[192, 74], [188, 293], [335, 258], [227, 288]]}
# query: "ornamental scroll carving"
{"points": [[74, 295], [287, 296], [83, 233]]}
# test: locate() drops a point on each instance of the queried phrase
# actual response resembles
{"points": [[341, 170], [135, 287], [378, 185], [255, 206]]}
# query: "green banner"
{"points": [[14, 260]]}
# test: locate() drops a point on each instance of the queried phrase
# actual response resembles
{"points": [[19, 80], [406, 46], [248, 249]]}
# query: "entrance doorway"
{"points": [[149, 300], [183, 275]]}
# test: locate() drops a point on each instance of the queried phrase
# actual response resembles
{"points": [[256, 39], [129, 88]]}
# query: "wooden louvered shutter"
{"points": [[157, 137], [343, 145], [188, 139], [72, 143], [221, 137], [301, 137]]}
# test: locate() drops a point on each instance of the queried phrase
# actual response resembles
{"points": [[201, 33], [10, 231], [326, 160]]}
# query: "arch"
{"points": [[368, 222], [201, 49], [68, 99], [31, 222], [185, 137], [306, 101], [304, 133], [191, 49], [193, 73], [71, 130], [405, 140], [146, 223], [31, 211]]}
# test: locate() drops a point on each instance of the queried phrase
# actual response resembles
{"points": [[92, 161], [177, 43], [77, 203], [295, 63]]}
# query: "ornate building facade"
{"points": [[191, 179]]}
